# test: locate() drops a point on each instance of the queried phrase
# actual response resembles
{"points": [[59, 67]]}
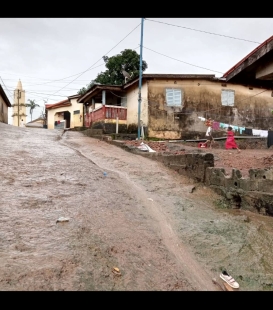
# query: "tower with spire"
{"points": [[19, 106]]}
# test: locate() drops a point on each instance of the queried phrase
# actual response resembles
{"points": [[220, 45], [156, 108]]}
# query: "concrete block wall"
{"points": [[254, 193]]}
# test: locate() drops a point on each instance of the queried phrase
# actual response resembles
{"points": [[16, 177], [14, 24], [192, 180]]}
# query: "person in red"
{"points": [[230, 142]]}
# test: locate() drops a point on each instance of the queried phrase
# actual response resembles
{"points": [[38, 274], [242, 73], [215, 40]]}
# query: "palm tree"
{"points": [[31, 105]]}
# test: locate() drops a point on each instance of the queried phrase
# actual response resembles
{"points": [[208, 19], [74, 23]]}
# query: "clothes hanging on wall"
{"points": [[264, 133], [256, 132], [241, 129], [270, 139], [223, 125], [248, 131], [209, 122], [208, 131], [216, 125]]}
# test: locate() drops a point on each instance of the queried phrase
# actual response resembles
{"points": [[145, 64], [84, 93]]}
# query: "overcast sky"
{"points": [[55, 57]]}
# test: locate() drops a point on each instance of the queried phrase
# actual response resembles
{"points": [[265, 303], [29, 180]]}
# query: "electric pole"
{"points": [[140, 79], [18, 97]]}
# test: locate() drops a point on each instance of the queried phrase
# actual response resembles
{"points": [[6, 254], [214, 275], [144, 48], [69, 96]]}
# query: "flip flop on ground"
{"points": [[229, 280]]}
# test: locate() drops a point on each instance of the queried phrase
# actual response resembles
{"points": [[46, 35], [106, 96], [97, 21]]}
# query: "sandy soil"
{"points": [[160, 230]]}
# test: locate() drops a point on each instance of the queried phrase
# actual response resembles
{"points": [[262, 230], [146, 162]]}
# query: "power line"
{"points": [[100, 58], [66, 77], [181, 60], [39, 90], [216, 34], [5, 86]]}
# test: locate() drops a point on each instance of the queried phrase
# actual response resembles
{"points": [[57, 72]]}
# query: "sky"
{"points": [[55, 57]]}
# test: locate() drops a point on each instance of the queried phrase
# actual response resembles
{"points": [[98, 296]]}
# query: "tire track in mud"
{"points": [[197, 275]]}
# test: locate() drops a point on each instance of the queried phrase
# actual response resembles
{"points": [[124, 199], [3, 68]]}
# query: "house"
{"points": [[171, 105], [104, 105], [67, 113], [4, 105], [36, 123], [255, 69]]}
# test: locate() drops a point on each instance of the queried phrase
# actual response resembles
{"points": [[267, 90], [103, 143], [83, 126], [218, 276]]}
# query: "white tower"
{"points": [[19, 106]]}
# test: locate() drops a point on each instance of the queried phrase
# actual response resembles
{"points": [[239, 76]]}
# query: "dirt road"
{"points": [[159, 230]]}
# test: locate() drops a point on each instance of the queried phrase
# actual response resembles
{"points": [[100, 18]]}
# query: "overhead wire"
{"points": [[212, 33], [181, 60], [6, 87], [100, 58], [47, 94]]}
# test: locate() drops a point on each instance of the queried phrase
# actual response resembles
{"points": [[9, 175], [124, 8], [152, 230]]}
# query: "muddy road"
{"points": [[161, 231]]}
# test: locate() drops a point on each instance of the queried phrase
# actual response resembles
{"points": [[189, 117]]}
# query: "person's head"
{"points": [[229, 128]]}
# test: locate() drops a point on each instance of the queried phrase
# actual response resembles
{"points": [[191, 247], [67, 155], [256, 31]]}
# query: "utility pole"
{"points": [[140, 79], [18, 97]]}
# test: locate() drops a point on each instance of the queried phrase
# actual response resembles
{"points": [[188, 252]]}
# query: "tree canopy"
{"points": [[127, 60]]}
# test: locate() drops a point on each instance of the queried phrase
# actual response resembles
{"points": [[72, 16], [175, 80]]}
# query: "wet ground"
{"points": [[160, 231]]}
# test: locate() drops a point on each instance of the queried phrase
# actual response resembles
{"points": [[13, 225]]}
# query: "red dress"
{"points": [[230, 142]]}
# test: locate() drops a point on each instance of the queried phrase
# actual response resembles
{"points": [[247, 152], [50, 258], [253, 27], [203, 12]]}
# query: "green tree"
{"points": [[31, 105], [127, 60]]}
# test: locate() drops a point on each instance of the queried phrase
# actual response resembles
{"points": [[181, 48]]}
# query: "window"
{"points": [[173, 97], [76, 112], [228, 97]]}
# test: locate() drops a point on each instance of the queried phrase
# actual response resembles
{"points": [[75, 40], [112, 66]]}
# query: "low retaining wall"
{"points": [[254, 193]]}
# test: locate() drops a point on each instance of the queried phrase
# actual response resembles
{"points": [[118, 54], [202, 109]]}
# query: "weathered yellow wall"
{"points": [[132, 105], [22, 109], [203, 98], [75, 120], [3, 111], [52, 116]]}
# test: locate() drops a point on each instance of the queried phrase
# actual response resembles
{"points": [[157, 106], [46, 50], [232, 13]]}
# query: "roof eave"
{"points": [[241, 62], [95, 88], [4, 96]]}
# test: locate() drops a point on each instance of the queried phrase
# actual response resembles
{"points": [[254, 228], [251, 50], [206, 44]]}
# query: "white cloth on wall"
{"points": [[256, 132], [264, 133], [208, 131]]}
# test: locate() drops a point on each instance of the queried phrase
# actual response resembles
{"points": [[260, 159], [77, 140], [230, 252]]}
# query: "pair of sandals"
{"points": [[229, 280]]}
